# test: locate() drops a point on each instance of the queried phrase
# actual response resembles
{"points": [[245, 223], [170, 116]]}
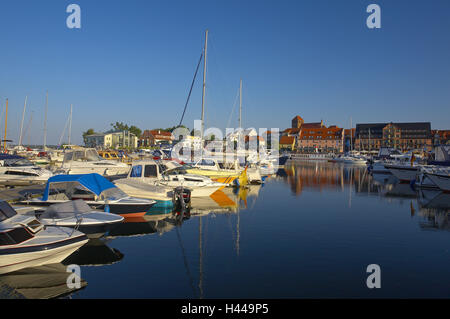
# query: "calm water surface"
{"points": [[309, 232]]}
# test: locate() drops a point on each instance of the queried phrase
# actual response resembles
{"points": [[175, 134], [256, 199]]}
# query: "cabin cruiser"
{"points": [[76, 214], [86, 161], [25, 242], [18, 171], [166, 175], [95, 190]]}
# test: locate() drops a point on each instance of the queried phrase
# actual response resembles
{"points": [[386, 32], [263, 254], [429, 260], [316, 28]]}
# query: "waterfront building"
{"points": [[402, 136], [112, 140], [313, 137], [154, 137], [287, 143], [321, 140]]}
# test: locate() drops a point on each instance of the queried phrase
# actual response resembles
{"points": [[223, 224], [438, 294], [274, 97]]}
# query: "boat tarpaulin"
{"points": [[93, 182]]}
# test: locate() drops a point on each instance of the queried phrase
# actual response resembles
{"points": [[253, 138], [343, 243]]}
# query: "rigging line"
{"points": [[64, 131], [190, 90], [234, 107]]}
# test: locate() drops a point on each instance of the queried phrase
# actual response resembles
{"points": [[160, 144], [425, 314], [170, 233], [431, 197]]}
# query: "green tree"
{"points": [[136, 131], [119, 126], [87, 133]]}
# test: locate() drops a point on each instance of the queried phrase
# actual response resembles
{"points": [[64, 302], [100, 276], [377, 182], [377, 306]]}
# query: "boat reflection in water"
{"points": [[44, 282], [141, 226], [95, 253], [434, 209]]}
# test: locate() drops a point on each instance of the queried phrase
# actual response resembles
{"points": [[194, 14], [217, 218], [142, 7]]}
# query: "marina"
{"points": [[232, 157], [232, 229]]}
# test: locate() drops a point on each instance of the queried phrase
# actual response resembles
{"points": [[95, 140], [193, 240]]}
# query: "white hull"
{"points": [[10, 263], [104, 171], [442, 181], [21, 181], [142, 190], [404, 174]]}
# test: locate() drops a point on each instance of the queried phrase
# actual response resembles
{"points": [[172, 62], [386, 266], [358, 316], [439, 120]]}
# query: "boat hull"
{"points": [[404, 174], [34, 256], [442, 181]]}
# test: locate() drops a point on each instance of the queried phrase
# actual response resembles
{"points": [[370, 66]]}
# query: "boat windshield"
{"points": [[82, 156], [18, 162], [176, 171], [6, 211], [112, 194]]}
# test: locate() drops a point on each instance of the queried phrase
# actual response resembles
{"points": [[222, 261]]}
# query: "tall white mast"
{"points": [[205, 59], [70, 123], [45, 121], [240, 105], [23, 117]]}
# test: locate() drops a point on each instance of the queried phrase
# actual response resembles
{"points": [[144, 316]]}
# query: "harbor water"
{"points": [[311, 231]]}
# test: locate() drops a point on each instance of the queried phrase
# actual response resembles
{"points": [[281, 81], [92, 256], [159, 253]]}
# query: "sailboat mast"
{"points": [[45, 121], [70, 123], [205, 60], [240, 105], [351, 135], [6, 126], [23, 117]]}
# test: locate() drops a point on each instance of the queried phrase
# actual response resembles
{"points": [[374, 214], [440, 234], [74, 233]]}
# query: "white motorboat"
{"points": [[87, 161], [18, 171], [76, 214], [167, 176], [96, 191], [25, 242]]}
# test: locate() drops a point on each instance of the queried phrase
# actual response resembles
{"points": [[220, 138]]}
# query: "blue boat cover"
{"points": [[93, 182]]}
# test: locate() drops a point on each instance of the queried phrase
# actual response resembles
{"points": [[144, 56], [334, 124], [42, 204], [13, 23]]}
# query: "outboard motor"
{"points": [[181, 204], [181, 199]]}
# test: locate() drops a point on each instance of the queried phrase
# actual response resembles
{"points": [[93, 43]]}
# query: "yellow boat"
{"points": [[226, 177]]}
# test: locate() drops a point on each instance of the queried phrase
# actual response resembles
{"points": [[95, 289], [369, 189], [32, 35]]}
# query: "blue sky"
{"points": [[133, 61]]}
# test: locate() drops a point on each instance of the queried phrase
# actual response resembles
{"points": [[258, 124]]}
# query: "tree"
{"points": [[136, 131], [119, 126], [87, 133]]}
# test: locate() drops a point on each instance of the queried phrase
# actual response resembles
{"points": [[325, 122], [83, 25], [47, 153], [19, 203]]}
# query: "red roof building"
{"points": [[153, 137]]}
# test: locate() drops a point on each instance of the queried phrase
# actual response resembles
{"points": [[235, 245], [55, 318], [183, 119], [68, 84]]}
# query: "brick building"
{"points": [[402, 136]]}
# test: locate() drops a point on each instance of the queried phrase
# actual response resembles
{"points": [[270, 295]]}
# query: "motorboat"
{"points": [[95, 190], [18, 171], [168, 175], [76, 214], [86, 161], [25, 242]]}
